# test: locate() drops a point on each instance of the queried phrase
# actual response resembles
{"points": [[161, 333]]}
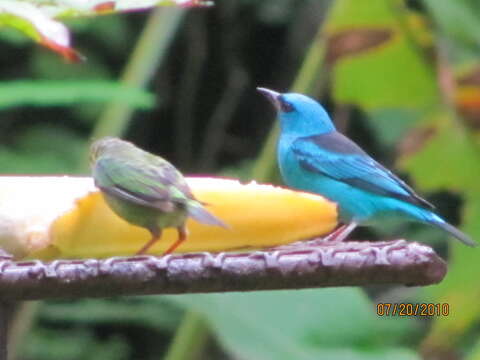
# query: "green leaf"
{"points": [[392, 123], [75, 344], [464, 39], [36, 18], [475, 353], [460, 290], [145, 311], [308, 324], [376, 63], [449, 160], [453, 148], [41, 150], [38, 25], [55, 93]]}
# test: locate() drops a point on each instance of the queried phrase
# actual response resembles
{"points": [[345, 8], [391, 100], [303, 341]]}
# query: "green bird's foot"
{"points": [[156, 235], [182, 236]]}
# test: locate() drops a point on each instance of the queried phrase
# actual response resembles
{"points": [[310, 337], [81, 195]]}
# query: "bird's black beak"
{"points": [[271, 95]]}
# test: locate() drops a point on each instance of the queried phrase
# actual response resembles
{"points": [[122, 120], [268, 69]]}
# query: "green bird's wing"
{"points": [[159, 186]]}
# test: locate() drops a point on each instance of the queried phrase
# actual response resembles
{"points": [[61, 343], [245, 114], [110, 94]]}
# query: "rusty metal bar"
{"points": [[290, 267]]}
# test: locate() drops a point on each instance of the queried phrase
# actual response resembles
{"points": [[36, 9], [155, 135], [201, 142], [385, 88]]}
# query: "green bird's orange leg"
{"points": [[182, 236], [156, 235]]}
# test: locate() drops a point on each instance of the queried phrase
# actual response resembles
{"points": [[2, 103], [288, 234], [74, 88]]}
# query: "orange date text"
{"points": [[411, 309]]}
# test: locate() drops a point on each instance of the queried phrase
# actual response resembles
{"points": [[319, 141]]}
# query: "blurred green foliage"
{"points": [[292, 325], [402, 78], [65, 93]]}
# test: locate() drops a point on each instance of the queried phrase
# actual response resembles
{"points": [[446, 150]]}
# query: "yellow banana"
{"points": [[78, 224]]}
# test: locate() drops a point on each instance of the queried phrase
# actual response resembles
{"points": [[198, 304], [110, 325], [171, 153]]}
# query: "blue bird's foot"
{"points": [[340, 234], [336, 236]]}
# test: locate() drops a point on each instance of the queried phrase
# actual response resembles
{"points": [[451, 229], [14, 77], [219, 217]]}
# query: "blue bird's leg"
{"points": [[341, 233], [335, 237]]}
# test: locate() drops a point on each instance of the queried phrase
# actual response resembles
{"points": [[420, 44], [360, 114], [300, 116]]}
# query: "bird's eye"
{"points": [[286, 106]]}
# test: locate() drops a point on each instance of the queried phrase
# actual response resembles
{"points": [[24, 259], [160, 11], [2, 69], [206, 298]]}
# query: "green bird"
{"points": [[145, 190]]}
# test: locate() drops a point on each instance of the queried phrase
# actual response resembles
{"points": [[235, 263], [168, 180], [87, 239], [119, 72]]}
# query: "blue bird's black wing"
{"points": [[337, 157]]}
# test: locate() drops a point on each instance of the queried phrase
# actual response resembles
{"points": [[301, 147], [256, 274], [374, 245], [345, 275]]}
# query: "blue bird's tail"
{"points": [[437, 221]]}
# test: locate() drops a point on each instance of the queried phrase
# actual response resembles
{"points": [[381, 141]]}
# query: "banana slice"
{"points": [[65, 217]]}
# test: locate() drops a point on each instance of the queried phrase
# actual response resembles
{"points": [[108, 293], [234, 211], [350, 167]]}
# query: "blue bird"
{"points": [[313, 156]]}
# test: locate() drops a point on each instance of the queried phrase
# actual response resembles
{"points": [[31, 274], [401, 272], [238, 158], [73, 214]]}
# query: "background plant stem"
{"points": [[190, 338], [21, 323], [150, 50]]}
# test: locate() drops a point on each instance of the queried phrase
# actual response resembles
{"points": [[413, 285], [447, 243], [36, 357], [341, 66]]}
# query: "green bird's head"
{"points": [[108, 145]]}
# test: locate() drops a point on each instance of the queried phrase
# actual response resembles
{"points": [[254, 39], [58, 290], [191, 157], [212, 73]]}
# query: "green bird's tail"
{"points": [[198, 212]]}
